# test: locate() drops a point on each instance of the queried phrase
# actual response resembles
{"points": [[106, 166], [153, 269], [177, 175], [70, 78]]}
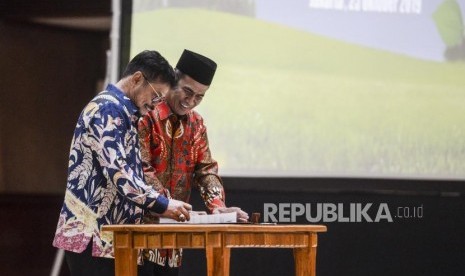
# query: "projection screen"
{"points": [[323, 88]]}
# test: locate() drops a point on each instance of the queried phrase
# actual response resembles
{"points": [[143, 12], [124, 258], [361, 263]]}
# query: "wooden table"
{"points": [[217, 240]]}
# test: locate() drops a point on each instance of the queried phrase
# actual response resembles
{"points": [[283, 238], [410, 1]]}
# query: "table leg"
{"points": [[210, 261], [305, 257], [125, 255], [222, 260], [218, 261]]}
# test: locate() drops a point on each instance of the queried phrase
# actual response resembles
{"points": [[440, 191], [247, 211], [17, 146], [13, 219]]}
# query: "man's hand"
{"points": [[241, 215], [178, 210]]}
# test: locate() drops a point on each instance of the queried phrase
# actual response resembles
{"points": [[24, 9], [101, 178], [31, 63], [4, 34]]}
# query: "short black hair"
{"points": [[153, 65]]}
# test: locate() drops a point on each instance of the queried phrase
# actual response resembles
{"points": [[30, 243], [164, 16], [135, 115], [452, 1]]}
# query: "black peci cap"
{"points": [[198, 67]]}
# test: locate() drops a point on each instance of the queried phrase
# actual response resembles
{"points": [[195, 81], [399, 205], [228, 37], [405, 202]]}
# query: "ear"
{"points": [[137, 78]]}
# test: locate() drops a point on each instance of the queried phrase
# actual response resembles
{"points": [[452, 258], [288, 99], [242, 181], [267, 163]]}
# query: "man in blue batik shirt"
{"points": [[105, 178]]}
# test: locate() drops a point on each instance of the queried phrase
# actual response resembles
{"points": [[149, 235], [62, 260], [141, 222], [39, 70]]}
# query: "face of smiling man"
{"points": [[186, 95]]}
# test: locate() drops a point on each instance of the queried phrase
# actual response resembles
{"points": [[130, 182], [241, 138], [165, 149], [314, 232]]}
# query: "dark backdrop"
{"points": [[431, 245]]}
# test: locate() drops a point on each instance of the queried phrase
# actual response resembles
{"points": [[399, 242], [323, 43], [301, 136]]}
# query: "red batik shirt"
{"points": [[175, 157]]}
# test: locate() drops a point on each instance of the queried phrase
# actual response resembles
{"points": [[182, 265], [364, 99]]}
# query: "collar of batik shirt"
{"points": [[131, 107]]}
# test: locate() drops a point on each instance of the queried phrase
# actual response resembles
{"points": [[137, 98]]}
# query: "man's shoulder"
{"points": [[101, 106], [106, 98], [106, 101], [195, 116]]}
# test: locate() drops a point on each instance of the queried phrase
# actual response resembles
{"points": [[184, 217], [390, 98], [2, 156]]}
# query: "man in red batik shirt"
{"points": [[175, 151]]}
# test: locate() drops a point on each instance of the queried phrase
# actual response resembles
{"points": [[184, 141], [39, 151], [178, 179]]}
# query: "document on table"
{"points": [[204, 219]]}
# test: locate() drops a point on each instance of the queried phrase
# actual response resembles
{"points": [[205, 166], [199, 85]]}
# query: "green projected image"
{"points": [[292, 101]]}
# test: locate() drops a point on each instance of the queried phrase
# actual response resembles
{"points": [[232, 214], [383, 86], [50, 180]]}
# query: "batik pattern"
{"points": [[176, 157], [105, 176]]}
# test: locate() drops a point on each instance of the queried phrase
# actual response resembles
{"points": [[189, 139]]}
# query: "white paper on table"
{"points": [[205, 219]]}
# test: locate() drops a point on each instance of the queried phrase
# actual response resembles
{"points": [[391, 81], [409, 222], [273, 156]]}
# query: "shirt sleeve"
{"points": [[206, 172], [114, 145]]}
